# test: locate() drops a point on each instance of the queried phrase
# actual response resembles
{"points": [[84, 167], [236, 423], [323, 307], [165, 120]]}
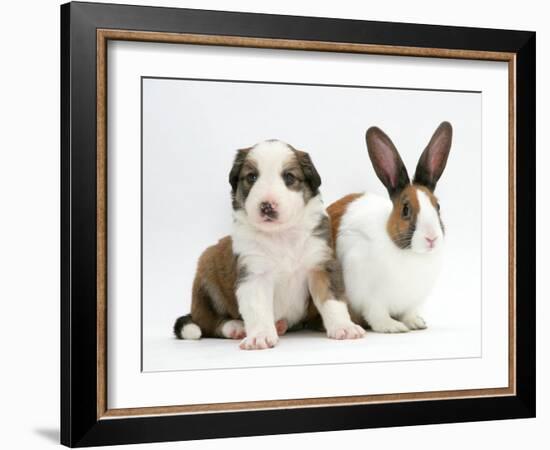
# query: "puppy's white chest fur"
{"points": [[283, 260], [297, 258], [290, 297]]}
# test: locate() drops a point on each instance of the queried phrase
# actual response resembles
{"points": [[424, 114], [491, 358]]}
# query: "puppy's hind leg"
{"points": [[204, 313], [233, 329], [281, 326]]}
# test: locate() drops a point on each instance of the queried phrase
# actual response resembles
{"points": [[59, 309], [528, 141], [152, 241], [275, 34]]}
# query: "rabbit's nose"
{"points": [[431, 241]]}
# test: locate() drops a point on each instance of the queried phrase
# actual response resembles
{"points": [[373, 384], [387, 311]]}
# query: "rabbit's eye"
{"points": [[406, 211]]}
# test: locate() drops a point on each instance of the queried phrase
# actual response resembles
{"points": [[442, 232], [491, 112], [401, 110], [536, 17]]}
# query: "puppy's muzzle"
{"points": [[268, 210]]}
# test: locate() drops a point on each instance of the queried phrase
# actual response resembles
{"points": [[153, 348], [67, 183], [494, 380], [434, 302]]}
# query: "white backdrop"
{"points": [[32, 348], [191, 132]]}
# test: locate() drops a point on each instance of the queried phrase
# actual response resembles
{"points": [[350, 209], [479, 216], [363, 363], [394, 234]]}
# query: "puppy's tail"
{"points": [[185, 328]]}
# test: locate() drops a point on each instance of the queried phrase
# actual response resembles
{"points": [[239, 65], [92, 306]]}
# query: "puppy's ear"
{"points": [[311, 175], [238, 162]]}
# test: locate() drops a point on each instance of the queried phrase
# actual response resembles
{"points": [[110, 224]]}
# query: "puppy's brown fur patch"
{"points": [[214, 301], [319, 285]]}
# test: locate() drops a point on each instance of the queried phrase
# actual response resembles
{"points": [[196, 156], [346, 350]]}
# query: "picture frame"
{"points": [[86, 418]]}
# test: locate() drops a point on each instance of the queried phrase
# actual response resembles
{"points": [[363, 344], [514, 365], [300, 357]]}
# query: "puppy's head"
{"points": [[271, 184]]}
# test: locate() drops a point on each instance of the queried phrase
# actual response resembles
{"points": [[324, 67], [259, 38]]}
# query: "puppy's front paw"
{"points": [[388, 325], [260, 340], [348, 330], [415, 322]]}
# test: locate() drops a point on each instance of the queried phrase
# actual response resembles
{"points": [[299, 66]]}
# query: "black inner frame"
{"points": [[79, 424]]}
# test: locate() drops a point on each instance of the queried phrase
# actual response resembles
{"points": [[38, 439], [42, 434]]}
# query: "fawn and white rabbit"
{"points": [[390, 248]]}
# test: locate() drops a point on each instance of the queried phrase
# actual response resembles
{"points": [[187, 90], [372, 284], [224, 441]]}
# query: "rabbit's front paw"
{"points": [[388, 325], [414, 322]]}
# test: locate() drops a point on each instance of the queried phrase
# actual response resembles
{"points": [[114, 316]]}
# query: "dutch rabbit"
{"points": [[390, 248]]}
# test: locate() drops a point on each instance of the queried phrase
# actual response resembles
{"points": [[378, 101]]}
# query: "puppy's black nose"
{"points": [[268, 209]]}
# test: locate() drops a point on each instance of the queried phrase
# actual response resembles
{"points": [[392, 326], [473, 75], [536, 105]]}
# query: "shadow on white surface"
{"points": [[50, 434]]}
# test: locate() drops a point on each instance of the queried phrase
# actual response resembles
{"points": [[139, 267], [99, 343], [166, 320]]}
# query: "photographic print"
{"points": [[303, 199]]}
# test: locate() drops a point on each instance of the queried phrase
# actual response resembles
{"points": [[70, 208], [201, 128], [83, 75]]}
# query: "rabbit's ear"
{"points": [[434, 158], [386, 161]]}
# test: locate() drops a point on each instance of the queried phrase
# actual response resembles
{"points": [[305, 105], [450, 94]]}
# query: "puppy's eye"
{"points": [[438, 207], [251, 178], [406, 211], [289, 178]]}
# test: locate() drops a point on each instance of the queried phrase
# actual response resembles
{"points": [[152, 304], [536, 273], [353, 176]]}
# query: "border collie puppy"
{"points": [[259, 281]]}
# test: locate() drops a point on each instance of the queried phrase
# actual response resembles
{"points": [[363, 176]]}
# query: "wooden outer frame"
{"points": [[79, 426]]}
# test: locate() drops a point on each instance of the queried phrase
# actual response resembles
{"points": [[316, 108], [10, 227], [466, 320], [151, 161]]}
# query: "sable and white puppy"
{"points": [[390, 248], [257, 282]]}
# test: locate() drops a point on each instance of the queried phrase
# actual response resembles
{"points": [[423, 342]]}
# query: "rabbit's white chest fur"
{"points": [[381, 278]]}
